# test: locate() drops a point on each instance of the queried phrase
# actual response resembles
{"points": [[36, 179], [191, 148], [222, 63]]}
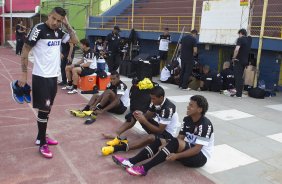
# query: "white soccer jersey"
{"points": [[46, 45]]}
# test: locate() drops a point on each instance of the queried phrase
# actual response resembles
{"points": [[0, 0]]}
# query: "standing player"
{"points": [[45, 40]]}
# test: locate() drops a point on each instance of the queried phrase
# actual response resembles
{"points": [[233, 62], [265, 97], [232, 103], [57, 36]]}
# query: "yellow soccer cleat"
{"points": [[77, 113], [107, 150], [93, 116], [117, 141], [87, 113]]}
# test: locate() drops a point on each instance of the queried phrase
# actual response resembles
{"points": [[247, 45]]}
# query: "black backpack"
{"points": [[257, 93]]}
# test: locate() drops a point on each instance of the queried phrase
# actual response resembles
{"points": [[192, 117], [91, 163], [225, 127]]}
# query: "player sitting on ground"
{"points": [[86, 66], [160, 122], [114, 99], [192, 147]]}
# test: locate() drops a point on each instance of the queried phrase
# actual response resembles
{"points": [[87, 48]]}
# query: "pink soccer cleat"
{"points": [[44, 150], [123, 162], [136, 171]]}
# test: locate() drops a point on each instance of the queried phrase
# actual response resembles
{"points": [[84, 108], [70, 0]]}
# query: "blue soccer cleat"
{"points": [[17, 92], [26, 93]]}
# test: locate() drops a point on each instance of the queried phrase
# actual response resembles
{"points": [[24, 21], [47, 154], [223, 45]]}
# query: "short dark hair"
{"points": [[59, 11], [201, 102], [166, 29], [157, 91], [115, 73], [85, 42], [243, 32], [194, 31]]}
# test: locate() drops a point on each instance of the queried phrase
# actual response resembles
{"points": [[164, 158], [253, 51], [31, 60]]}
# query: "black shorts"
{"points": [[86, 71], [120, 109], [43, 92], [163, 55], [198, 160]]}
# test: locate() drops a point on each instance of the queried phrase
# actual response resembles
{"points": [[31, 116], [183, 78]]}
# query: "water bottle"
{"points": [[106, 68]]}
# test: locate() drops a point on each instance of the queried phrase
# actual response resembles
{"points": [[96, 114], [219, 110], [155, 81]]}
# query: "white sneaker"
{"points": [[73, 91], [67, 88]]}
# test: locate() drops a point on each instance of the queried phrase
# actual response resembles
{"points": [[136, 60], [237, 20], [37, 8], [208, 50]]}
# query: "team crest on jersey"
{"points": [[48, 102], [56, 34]]}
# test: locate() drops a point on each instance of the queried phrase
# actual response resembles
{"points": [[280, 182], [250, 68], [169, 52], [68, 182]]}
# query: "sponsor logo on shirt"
{"points": [[54, 43], [35, 34]]}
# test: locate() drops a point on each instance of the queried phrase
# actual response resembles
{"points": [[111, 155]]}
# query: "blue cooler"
{"points": [[101, 63]]}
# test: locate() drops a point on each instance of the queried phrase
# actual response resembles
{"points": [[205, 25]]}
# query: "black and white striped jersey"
{"points": [[46, 45], [166, 114], [89, 57], [200, 132]]}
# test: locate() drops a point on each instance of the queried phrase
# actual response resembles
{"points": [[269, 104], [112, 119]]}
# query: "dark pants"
{"points": [[186, 72], [238, 74], [19, 46], [64, 63], [113, 61]]}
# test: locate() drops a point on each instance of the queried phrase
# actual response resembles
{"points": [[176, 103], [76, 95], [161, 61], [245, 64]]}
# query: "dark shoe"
{"points": [[89, 121], [26, 93], [17, 92]]}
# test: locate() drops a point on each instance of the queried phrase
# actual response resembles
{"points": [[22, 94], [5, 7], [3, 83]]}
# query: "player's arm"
{"points": [[72, 33], [70, 51], [190, 152], [24, 63]]}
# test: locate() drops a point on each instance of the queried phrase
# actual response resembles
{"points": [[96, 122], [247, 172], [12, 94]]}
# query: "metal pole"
{"points": [[260, 41], [3, 19], [11, 19], [132, 15], [194, 14]]}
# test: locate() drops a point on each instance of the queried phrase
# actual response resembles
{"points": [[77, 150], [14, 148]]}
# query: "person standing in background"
{"points": [[67, 55], [113, 41], [164, 41], [20, 36], [240, 60], [188, 48]]}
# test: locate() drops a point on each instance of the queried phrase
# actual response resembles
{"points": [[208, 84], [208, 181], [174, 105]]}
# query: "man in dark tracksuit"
{"points": [[188, 48], [113, 42], [240, 59]]}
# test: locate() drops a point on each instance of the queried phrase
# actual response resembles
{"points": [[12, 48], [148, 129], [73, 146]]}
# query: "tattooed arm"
{"points": [[24, 61]]}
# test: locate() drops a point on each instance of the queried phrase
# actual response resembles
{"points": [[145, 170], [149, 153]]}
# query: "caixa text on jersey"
{"points": [[54, 43]]}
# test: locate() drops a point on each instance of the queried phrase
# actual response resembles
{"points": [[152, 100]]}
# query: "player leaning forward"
{"points": [[44, 40]]}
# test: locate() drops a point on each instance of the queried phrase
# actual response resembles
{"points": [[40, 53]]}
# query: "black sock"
{"points": [[86, 108], [69, 83], [148, 152], [122, 147], [42, 120], [171, 147]]}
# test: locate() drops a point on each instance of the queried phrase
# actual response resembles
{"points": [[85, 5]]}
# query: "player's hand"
{"points": [[108, 136], [69, 59], [66, 21], [172, 157], [22, 82]]}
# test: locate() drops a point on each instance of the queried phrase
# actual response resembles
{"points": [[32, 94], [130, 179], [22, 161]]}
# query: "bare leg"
{"points": [[69, 72], [75, 75], [93, 99]]}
